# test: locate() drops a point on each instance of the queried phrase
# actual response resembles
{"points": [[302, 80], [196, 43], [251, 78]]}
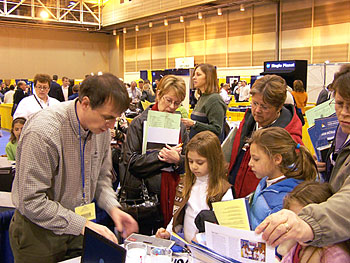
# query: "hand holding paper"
{"points": [[170, 154]]}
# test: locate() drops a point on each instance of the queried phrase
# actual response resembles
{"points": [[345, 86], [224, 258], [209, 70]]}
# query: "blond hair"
{"points": [[174, 83]]}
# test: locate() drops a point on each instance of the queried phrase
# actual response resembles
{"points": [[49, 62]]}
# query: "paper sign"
{"points": [[232, 213], [322, 110], [166, 120]]}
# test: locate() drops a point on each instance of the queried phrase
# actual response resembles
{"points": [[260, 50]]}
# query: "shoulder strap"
{"points": [[38, 101]]}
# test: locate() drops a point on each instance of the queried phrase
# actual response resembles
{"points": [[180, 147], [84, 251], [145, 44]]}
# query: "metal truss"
{"points": [[86, 13]]}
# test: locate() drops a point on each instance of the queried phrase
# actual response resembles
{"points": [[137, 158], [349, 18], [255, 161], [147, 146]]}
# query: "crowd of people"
{"points": [[56, 183]]}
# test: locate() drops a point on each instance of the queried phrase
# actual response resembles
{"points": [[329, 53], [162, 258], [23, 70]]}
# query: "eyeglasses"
{"points": [[339, 105], [42, 87], [169, 102], [263, 107]]}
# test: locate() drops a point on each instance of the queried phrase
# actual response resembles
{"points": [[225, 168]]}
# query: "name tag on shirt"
{"points": [[88, 211]]}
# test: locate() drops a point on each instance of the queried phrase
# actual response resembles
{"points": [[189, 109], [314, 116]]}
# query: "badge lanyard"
{"points": [[82, 151]]}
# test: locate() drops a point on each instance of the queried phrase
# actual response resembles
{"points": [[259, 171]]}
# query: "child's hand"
{"points": [[162, 233]]}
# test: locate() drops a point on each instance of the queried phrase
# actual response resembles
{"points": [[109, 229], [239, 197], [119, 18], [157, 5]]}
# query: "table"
{"points": [[148, 260]]}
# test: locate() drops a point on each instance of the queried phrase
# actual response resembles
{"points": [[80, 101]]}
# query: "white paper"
{"points": [[163, 135], [241, 245]]}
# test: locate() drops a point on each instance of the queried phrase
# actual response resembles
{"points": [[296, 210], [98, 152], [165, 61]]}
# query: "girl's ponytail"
{"points": [[305, 167]]}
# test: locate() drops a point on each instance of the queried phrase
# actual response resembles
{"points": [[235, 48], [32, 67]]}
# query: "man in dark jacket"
{"points": [[55, 89], [20, 93]]}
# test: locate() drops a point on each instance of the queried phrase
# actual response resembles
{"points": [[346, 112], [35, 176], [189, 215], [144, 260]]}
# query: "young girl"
{"points": [[205, 173], [304, 194], [16, 130], [281, 164]]}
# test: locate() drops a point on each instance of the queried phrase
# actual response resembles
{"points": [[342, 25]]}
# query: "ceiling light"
{"points": [[165, 22], [44, 14], [150, 24], [182, 19], [114, 32], [200, 16], [137, 28], [219, 12], [241, 7], [124, 30]]}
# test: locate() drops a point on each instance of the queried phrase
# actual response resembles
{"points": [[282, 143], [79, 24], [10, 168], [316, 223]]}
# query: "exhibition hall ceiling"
{"points": [[108, 15]]}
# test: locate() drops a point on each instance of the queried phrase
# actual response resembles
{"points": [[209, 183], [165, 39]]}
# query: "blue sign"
{"points": [[280, 66]]}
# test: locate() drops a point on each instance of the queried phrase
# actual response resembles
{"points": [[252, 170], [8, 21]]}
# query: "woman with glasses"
{"points": [[267, 110], [159, 167], [210, 110], [39, 100], [326, 223]]}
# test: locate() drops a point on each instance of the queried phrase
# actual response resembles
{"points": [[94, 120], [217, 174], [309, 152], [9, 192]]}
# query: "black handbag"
{"points": [[139, 203]]}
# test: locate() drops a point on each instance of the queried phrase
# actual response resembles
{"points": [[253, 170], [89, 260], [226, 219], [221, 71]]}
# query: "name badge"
{"points": [[88, 211]]}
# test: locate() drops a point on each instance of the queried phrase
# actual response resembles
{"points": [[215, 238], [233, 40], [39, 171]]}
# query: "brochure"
{"points": [[322, 135], [238, 245]]}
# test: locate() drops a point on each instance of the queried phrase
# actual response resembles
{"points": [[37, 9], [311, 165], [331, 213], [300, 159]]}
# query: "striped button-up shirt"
{"points": [[48, 182]]}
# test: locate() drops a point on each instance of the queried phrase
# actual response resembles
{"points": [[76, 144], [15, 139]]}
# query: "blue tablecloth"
{"points": [[5, 248]]}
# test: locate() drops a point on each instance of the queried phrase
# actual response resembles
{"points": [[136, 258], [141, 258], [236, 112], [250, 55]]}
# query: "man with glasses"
{"points": [[39, 100], [64, 162]]}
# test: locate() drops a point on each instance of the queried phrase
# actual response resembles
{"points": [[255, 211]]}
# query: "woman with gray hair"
{"points": [[268, 96]]}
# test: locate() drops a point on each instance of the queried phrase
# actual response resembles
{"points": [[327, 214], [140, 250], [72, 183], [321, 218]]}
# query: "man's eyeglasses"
{"points": [[169, 102], [42, 87]]}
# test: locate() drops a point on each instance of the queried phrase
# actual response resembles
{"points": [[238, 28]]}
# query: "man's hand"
{"points": [[102, 230], [124, 222], [284, 225]]}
